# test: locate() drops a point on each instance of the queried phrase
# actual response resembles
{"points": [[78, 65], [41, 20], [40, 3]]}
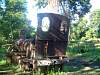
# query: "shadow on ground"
{"points": [[82, 64]]}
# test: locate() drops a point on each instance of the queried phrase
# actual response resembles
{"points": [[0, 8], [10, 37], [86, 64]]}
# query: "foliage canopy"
{"points": [[80, 7]]}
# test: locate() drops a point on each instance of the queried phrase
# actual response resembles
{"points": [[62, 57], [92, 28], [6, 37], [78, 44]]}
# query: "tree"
{"points": [[2, 8], [79, 29], [95, 22], [80, 7], [13, 18], [83, 31]]}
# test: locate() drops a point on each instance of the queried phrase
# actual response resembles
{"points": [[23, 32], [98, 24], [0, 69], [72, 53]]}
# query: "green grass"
{"points": [[7, 69], [92, 53]]}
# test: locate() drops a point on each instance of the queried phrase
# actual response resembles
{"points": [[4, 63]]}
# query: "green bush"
{"points": [[81, 46], [2, 40]]}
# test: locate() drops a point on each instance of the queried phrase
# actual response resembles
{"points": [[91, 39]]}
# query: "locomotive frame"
{"points": [[49, 46]]}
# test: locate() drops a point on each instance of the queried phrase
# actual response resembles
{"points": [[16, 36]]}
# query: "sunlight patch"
{"points": [[2, 62], [87, 68]]}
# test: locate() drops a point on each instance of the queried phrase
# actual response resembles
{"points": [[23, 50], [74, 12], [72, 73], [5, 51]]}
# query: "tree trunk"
{"points": [[53, 5]]}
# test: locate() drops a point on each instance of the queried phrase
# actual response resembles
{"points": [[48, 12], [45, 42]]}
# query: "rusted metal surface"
{"points": [[56, 36]]}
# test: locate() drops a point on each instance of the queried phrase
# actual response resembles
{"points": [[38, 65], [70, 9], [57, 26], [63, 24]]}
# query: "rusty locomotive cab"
{"points": [[52, 34]]}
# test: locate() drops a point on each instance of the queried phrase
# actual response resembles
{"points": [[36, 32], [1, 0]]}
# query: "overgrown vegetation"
{"points": [[74, 66], [13, 19]]}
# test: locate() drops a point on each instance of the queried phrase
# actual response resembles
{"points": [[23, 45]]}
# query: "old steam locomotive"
{"points": [[50, 43]]}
